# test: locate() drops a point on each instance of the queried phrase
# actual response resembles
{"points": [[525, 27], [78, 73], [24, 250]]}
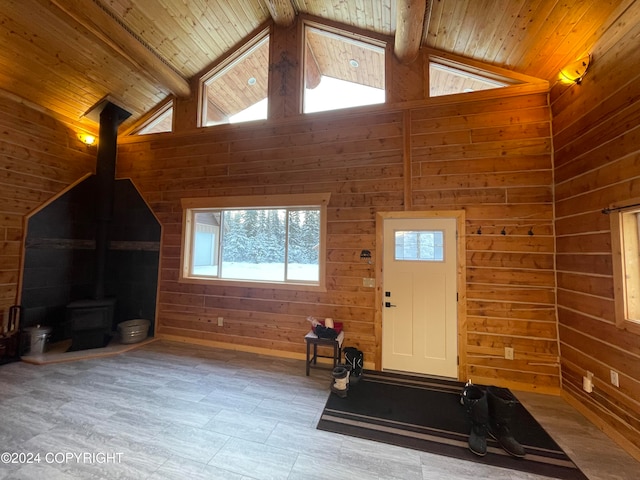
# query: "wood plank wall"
{"points": [[39, 157], [490, 157], [358, 159], [597, 162], [493, 159]]}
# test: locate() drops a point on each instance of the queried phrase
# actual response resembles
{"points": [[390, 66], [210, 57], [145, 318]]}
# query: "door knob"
{"points": [[388, 304]]}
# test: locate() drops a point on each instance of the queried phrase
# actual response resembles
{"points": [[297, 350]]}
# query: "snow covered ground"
{"points": [[264, 271]]}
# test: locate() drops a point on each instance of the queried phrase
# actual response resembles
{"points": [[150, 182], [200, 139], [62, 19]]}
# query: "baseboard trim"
{"points": [[54, 356], [247, 348], [523, 387], [608, 429]]}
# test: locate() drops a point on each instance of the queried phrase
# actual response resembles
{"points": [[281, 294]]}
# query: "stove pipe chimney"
{"points": [[111, 116]]}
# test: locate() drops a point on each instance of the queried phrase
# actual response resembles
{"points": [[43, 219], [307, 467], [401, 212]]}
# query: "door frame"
{"points": [[461, 278]]}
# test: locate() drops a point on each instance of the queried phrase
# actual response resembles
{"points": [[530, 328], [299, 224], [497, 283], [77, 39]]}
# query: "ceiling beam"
{"points": [[112, 33], [410, 24], [282, 12]]}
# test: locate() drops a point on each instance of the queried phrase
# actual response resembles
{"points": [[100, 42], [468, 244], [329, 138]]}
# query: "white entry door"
{"points": [[419, 313]]}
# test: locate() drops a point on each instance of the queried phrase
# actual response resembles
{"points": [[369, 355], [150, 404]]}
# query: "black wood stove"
{"points": [[90, 321]]}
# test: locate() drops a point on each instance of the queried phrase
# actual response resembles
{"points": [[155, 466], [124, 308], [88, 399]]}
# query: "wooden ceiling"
{"points": [[64, 56]]}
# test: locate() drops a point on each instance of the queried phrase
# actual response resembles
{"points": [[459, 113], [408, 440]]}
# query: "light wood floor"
{"points": [[171, 411]]}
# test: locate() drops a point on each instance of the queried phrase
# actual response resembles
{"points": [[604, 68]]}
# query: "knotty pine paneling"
{"points": [[356, 158], [491, 158], [597, 152], [39, 157]]}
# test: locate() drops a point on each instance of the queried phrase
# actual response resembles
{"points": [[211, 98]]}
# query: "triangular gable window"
{"points": [[448, 77], [341, 72], [236, 91], [161, 121]]}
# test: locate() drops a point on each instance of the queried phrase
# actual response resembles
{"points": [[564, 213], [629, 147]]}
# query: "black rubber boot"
{"points": [[340, 383], [354, 358], [475, 403], [501, 405]]}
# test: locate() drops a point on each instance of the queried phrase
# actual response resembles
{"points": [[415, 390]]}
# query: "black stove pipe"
{"points": [[111, 117]]}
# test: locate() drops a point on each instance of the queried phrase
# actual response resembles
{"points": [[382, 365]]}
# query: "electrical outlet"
{"points": [[220, 321], [508, 353], [587, 382], [615, 381]]}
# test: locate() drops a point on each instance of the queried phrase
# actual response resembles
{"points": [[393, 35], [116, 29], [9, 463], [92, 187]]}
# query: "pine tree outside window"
{"points": [[244, 242]]}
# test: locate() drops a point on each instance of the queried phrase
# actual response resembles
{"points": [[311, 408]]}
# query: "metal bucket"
{"points": [[133, 331], [37, 338]]}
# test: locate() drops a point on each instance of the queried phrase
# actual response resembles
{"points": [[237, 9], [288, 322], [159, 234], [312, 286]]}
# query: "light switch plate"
{"points": [[615, 380], [369, 282]]}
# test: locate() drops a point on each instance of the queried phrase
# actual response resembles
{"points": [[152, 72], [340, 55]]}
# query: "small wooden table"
{"points": [[312, 339]]}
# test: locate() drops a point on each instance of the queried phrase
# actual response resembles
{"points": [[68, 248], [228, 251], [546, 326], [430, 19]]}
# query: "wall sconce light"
{"points": [[87, 138], [574, 72], [365, 256]]}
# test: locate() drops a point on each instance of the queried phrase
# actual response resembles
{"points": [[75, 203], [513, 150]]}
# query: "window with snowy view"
{"points": [[262, 244]]}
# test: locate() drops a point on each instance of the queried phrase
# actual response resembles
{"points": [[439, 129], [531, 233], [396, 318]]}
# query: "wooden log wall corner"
{"points": [[597, 163]]}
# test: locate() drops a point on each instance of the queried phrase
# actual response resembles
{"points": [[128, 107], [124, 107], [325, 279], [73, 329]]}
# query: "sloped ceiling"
{"points": [[63, 56]]}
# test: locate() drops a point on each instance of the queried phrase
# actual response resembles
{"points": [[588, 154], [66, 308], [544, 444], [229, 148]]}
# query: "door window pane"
{"points": [[419, 245]]}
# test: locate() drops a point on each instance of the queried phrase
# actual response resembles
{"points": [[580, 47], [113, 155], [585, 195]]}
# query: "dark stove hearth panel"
{"points": [[89, 323]]}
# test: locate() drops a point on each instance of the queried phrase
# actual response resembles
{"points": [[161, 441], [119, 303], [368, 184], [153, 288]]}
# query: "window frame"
{"points": [[625, 243], [191, 205], [357, 35], [481, 69], [226, 63], [418, 258], [155, 117]]}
